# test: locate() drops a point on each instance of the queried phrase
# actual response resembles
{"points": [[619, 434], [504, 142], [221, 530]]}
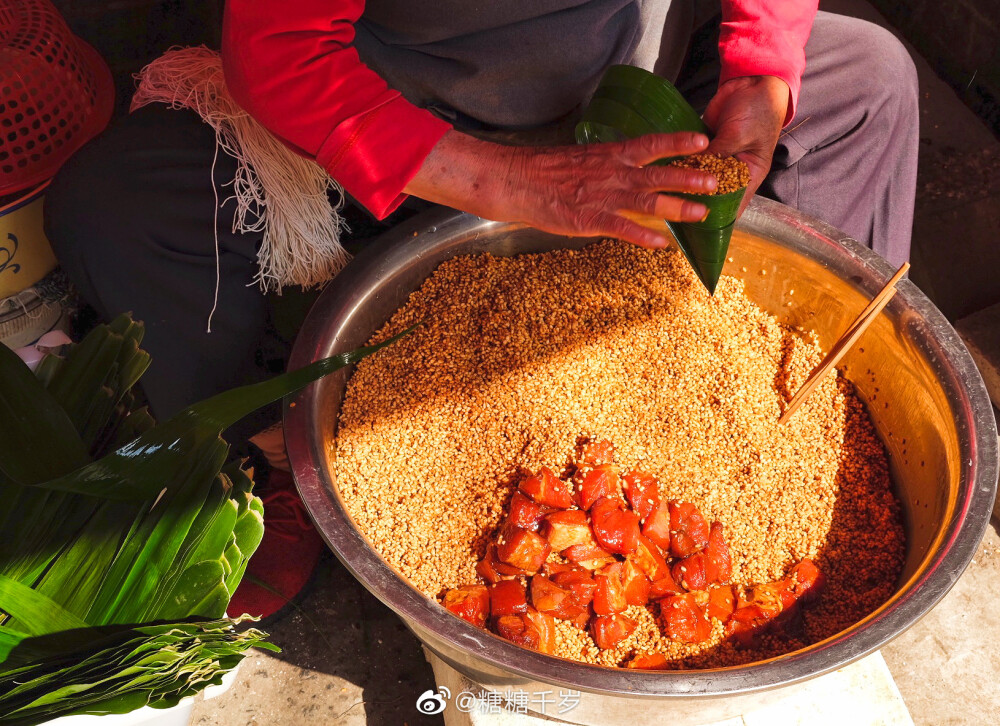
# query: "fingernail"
{"points": [[695, 211], [699, 140], [709, 182]]}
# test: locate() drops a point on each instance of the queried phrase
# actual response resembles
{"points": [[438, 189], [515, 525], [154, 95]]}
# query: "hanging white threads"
{"points": [[278, 192], [215, 238]]}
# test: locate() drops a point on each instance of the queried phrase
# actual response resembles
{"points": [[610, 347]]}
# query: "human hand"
{"points": [[746, 116], [572, 190]]}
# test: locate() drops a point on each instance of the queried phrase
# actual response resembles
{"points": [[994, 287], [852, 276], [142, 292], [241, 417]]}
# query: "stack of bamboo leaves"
{"points": [[122, 541]]}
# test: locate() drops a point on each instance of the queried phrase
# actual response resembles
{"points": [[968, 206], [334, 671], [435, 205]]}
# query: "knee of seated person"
{"points": [[886, 73]]}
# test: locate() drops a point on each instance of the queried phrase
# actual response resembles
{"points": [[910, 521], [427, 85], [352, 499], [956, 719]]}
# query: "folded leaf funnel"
{"points": [[631, 102]]}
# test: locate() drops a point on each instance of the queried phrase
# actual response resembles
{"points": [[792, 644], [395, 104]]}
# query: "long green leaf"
{"points": [[200, 591], [171, 542], [36, 613], [210, 532], [186, 581], [48, 523], [248, 533], [89, 366], [137, 422], [97, 372], [136, 470], [248, 530], [145, 556], [39, 524], [132, 361], [633, 102], [9, 640], [75, 577], [48, 367], [38, 441]]}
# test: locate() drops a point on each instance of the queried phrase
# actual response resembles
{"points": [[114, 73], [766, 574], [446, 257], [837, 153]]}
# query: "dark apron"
{"points": [[500, 64]]}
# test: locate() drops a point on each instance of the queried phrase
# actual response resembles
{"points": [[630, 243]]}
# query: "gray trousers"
{"points": [[849, 156], [131, 215]]}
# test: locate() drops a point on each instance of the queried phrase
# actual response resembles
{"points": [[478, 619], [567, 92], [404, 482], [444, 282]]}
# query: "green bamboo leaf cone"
{"points": [[630, 102]]}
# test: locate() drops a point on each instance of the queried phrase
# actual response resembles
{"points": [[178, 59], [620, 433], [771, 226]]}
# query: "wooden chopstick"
{"points": [[847, 339]]}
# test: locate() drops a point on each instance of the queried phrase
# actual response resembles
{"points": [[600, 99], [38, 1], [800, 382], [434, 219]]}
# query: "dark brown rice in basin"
{"points": [[517, 358]]}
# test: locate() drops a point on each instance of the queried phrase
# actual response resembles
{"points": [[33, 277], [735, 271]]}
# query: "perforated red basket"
{"points": [[55, 93]]}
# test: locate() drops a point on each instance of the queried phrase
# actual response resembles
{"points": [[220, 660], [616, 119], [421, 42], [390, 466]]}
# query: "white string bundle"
{"points": [[277, 192]]}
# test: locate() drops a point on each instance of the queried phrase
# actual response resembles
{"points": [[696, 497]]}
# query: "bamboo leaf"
{"points": [[199, 591], [606, 112], [98, 414], [225, 409], [75, 577], [36, 613], [37, 530], [123, 670], [145, 556], [229, 555], [248, 530], [132, 360], [173, 542], [214, 602], [227, 569], [661, 103], [42, 443], [589, 132], [38, 441], [9, 640], [135, 423], [207, 540], [47, 367], [236, 562], [136, 470], [249, 533], [97, 373], [89, 365]]}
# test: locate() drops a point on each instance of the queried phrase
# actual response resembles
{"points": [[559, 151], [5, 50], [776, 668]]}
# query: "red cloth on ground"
{"points": [[287, 556], [291, 65]]}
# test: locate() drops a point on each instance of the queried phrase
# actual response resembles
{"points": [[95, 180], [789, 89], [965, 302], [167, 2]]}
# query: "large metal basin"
{"points": [[933, 414]]}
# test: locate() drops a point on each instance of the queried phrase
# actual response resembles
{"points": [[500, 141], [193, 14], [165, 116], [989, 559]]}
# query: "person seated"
{"points": [[400, 99]]}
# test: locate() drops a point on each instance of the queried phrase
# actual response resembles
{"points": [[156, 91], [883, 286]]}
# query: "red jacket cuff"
{"points": [[766, 38], [739, 65], [375, 155]]}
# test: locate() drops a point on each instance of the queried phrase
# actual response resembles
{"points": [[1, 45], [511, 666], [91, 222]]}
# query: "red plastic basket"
{"points": [[56, 93]]}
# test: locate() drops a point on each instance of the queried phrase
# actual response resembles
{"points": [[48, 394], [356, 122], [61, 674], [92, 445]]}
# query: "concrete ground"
{"points": [[348, 660]]}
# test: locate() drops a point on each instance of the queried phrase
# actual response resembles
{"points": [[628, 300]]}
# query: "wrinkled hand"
{"points": [[746, 116], [571, 190]]}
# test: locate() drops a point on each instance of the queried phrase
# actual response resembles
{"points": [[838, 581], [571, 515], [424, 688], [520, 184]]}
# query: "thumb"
{"points": [[712, 111], [726, 143]]}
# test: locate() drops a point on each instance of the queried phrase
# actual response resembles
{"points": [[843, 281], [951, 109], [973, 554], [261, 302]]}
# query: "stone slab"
{"points": [[861, 694], [947, 665]]}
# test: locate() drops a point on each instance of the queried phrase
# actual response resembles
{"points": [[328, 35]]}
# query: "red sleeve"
{"points": [[292, 66], [766, 38]]}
